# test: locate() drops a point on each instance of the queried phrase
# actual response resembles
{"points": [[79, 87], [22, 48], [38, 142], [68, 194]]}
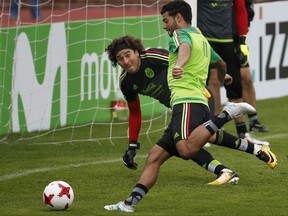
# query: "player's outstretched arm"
{"points": [[134, 125]]}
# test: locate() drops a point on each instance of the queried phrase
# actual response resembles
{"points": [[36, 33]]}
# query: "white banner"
{"points": [[268, 45]]}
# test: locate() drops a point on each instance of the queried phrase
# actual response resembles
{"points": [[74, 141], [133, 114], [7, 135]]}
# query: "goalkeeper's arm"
{"points": [[242, 27], [135, 118], [134, 125]]}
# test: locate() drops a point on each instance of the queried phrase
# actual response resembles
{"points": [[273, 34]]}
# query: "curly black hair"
{"points": [[127, 40], [181, 7]]}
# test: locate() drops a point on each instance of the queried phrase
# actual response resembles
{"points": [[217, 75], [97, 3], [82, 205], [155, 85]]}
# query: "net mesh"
{"points": [[57, 84]]}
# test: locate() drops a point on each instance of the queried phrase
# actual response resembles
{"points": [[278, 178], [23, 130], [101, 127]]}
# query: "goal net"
{"points": [[56, 82]]}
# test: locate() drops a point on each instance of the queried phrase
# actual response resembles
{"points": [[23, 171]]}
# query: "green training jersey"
{"points": [[190, 87]]}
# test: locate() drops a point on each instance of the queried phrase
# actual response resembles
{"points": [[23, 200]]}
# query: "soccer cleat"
{"points": [[236, 110], [226, 177], [257, 127], [266, 155], [120, 206], [252, 139]]}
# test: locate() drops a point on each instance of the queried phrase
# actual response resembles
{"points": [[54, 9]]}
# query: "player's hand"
{"points": [[243, 51], [227, 79], [177, 72], [128, 158]]}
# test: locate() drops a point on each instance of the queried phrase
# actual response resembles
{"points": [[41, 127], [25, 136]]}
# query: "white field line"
{"points": [[39, 170], [275, 136]]}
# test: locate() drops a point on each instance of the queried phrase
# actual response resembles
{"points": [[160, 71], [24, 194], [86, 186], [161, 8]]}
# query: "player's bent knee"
{"points": [[184, 151], [186, 154]]}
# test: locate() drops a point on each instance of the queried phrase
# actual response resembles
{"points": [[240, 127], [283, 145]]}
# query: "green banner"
{"points": [[59, 74]]}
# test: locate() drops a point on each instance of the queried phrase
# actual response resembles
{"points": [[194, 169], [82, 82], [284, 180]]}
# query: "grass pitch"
{"points": [[98, 177]]}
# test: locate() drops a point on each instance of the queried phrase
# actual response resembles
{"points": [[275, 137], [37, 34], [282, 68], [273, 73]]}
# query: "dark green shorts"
{"points": [[185, 118]]}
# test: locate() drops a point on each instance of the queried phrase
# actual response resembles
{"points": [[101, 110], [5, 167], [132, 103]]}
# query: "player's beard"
{"points": [[172, 28]]}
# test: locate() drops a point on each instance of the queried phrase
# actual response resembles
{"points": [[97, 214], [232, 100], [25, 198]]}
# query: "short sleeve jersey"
{"points": [[151, 79], [190, 87]]}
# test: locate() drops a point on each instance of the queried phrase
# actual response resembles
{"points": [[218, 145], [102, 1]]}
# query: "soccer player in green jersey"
{"points": [[190, 55]]}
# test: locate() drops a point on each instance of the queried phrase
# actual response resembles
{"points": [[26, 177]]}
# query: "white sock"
{"points": [[243, 145], [256, 149]]}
